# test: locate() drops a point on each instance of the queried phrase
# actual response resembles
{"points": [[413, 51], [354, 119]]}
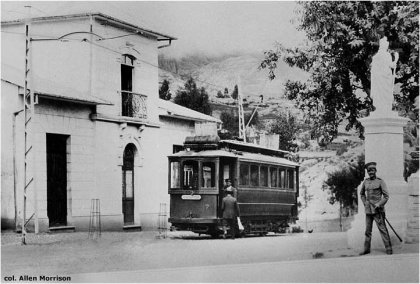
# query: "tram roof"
{"points": [[244, 156]]}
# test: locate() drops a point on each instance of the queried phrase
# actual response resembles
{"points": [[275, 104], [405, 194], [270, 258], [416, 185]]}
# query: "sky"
{"points": [[209, 27]]}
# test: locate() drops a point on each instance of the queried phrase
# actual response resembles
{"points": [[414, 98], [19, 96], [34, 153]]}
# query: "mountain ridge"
{"points": [[215, 73]]}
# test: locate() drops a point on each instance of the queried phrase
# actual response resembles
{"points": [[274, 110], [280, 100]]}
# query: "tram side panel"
{"points": [[265, 202]]}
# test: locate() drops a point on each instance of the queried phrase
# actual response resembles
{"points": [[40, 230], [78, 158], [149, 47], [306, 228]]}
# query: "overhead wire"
{"points": [[120, 53]]}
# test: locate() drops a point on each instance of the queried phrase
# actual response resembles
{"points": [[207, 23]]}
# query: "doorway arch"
{"points": [[128, 182]]}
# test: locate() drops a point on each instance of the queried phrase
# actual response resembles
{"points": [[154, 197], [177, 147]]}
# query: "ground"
{"points": [[74, 253]]}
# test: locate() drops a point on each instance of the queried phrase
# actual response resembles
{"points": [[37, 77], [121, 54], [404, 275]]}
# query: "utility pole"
{"points": [[242, 134], [29, 133]]}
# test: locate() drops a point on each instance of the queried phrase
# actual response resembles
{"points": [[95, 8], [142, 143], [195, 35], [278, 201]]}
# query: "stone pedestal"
{"points": [[412, 235], [384, 145]]}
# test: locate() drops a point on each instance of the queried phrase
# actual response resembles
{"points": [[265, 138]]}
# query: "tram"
{"points": [[267, 184]]}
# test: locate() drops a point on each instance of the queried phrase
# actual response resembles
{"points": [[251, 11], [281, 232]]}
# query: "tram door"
{"points": [[227, 171]]}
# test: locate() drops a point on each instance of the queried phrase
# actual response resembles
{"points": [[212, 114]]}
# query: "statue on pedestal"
{"points": [[383, 77]]}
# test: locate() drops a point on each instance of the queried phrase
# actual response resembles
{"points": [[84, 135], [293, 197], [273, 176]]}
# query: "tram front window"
{"points": [[190, 170], [175, 175], [209, 171]]}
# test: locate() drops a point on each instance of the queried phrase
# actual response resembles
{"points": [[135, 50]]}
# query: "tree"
{"points": [[287, 127], [193, 97], [164, 92], [230, 124], [343, 36], [255, 119], [344, 182], [235, 93], [226, 92], [219, 94]]}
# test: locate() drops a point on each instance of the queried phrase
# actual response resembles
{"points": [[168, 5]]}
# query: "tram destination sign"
{"points": [[191, 197]]}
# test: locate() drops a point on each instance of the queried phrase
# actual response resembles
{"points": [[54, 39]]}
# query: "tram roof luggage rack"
{"points": [[205, 142], [213, 142], [253, 148]]}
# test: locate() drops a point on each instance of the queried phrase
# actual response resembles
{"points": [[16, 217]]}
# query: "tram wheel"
{"points": [[214, 235]]}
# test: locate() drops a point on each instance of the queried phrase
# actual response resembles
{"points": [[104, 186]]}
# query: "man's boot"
{"points": [[366, 250]]}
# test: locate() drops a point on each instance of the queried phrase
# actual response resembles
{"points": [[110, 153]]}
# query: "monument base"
{"points": [[396, 213]]}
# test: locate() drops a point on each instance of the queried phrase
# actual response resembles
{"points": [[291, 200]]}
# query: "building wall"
{"points": [[92, 69], [107, 56], [94, 156], [158, 144], [9, 123], [95, 147]]}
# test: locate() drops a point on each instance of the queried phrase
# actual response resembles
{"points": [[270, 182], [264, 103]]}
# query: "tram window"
{"points": [[174, 174], [264, 176], [282, 178], [190, 170], [209, 170], [273, 177], [290, 179], [244, 174], [254, 175], [226, 172]]}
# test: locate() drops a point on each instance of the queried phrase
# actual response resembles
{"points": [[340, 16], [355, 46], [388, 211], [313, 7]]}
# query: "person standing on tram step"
{"points": [[374, 195], [228, 185], [230, 209]]}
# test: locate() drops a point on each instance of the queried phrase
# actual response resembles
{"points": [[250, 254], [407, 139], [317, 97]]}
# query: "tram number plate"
{"points": [[191, 197]]}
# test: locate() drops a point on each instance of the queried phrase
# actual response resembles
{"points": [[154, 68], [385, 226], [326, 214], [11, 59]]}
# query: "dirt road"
{"points": [[73, 253]]}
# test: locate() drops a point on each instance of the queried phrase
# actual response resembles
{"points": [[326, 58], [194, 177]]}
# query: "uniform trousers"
{"points": [[379, 218]]}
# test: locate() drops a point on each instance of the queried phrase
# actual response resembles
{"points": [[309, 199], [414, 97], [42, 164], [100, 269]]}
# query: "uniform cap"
{"points": [[370, 165]]}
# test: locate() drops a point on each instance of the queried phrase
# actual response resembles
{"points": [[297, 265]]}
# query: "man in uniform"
{"points": [[230, 209], [374, 195], [229, 186]]}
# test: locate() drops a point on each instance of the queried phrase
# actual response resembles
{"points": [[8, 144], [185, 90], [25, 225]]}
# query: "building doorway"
{"points": [[57, 179], [128, 184]]}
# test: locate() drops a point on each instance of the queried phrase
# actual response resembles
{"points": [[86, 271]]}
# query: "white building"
{"points": [[100, 129]]}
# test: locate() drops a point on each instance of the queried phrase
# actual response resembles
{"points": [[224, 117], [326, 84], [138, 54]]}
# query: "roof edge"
{"points": [[94, 14]]}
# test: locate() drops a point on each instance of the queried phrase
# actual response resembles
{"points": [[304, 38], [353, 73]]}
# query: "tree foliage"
{"points": [[193, 97], [287, 126], [234, 94], [226, 92], [164, 92], [342, 38], [344, 182], [230, 124]]}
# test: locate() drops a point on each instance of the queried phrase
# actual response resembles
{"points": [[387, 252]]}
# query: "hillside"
{"points": [[313, 172], [218, 73]]}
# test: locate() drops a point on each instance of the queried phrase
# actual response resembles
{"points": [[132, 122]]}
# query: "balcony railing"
{"points": [[133, 105]]}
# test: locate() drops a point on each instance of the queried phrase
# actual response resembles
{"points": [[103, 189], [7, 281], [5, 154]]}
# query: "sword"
{"points": [[384, 217], [392, 228]]}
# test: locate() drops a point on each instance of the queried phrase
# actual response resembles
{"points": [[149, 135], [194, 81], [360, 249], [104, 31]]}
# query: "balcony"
{"points": [[133, 105]]}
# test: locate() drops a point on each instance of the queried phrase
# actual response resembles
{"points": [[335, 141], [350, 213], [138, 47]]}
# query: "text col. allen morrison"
{"points": [[30, 278]]}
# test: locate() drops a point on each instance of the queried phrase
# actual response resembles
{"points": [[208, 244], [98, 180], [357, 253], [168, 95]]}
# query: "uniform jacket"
{"points": [[230, 207], [374, 192]]}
